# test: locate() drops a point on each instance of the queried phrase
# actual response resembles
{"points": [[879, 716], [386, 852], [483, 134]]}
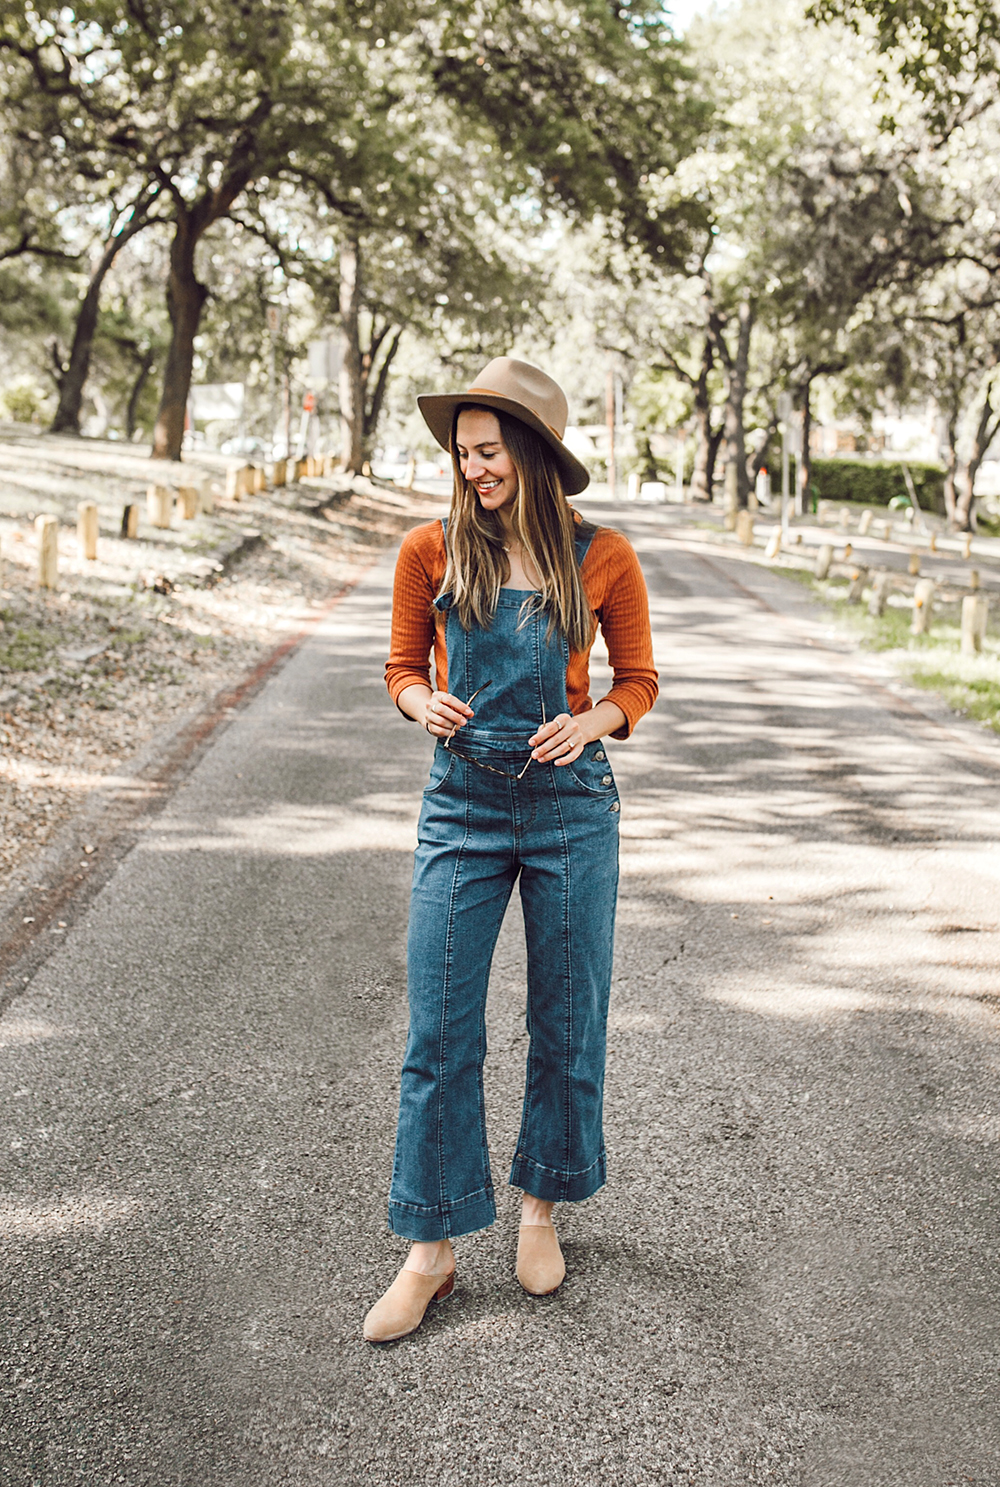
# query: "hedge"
{"points": [[875, 482]]}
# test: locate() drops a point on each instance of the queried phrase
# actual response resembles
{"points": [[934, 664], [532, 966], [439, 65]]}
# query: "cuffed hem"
{"points": [[558, 1187], [446, 1221]]}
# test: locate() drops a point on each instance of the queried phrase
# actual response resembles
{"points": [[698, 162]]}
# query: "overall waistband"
{"points": [[514, 742]]}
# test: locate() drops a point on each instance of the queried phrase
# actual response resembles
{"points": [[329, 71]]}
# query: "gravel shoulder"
{"points": [[98, 675]]}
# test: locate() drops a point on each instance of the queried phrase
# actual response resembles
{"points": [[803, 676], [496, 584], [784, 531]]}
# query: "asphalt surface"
{"points": [[791, 1276]]}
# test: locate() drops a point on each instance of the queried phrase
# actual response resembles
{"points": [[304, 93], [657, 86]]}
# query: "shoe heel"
{"points": [[446, 1289]]}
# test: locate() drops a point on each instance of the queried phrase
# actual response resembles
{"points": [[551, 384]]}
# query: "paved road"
{"points": [[791, 1277]]}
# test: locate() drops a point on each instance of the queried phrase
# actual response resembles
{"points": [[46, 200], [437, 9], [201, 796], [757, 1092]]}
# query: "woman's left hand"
{"points": [[559, 741]]}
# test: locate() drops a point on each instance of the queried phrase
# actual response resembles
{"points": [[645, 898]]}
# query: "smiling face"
{"points": [[483, 458]]}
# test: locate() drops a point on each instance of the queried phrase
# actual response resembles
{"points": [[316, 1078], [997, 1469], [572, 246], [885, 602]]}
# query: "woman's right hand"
{"points": [[445, 713]]}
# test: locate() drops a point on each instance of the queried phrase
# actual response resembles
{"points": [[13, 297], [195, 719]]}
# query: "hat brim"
{"points": [[438, 410]]}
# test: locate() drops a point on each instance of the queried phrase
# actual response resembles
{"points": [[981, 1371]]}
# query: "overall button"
{"points": [[614, 807], [606, 779], [600, 754]]}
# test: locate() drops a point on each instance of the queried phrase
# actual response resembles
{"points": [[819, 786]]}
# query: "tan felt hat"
{"points": [[523, 391]]}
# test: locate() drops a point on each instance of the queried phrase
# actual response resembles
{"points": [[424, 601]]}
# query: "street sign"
{"points": [[309, 403], [274, 318], [209, 401], [325, 357]]}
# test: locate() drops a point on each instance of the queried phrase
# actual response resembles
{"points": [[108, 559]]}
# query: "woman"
{"points": [[505, 594]]}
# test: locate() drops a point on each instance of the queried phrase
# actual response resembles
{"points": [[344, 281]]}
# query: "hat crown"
{"points": [[523, 383]]}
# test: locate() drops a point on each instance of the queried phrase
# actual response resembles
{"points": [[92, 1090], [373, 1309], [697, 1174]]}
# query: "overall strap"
{"points": [[444, 601], [583, 536]]}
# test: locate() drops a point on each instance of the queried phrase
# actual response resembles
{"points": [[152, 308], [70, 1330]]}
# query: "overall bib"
{"points": [[555, 832]]}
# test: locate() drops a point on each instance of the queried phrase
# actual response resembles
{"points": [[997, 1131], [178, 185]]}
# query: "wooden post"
{"points": [[632, 490], [923, 603], [130, 520], [187, 500], [279, 475], [848, 549], [864, 524], [823, 560], [744, 528], [845, 518], [411, 474], [86, 529], [206, 496], [259, 479], [975, 611], [233, 483], [914, 564], [932, 544], [773, 545], [47, 530], [159, 505], [859, 577], [879, 595], [246, 480], [967, 547], [974, 579]]}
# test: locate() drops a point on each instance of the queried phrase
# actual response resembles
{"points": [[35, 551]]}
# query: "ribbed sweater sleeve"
{"points": [[418, 569], [612, 574]]}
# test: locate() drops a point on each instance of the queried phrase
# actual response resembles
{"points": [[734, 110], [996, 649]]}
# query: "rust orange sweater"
{"points": [[616, 590]]}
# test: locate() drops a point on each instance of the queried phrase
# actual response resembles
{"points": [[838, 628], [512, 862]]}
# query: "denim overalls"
{"points": [[556, 830]]}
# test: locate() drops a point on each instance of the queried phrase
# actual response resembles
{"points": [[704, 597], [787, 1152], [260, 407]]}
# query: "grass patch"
{"points": [[969, 684], [25, 650]]}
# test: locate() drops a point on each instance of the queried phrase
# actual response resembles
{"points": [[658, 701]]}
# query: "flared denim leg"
{"points": [[569, 886], [441, 1184]]}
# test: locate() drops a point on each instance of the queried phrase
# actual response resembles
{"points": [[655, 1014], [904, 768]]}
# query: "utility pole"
{"points": [[274, 326]]}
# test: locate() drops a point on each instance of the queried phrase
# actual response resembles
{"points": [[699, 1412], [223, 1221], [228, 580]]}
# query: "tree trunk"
{"points": [[963, 517], [185, 300], [145, 367], [737, 480], [803, 499], [714, 445], [949, 456], [76, 370], [74, 377], [352, 391], [377, 398], [705, 452]]}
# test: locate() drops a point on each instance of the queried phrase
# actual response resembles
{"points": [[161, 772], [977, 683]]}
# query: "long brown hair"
{"points": [[543, 520]]}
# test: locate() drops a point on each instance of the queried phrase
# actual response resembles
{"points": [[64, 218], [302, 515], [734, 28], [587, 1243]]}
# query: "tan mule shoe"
{"points": [[541, 1268], [401, 1310]]}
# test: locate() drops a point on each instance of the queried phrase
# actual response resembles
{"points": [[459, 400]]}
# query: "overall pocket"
{"points": [[441, 767], [593, 773]]}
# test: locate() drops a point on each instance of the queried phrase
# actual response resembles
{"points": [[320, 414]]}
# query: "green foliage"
{"points": [[877, 482], [595, 99], [23, 401], [942, 48]]}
